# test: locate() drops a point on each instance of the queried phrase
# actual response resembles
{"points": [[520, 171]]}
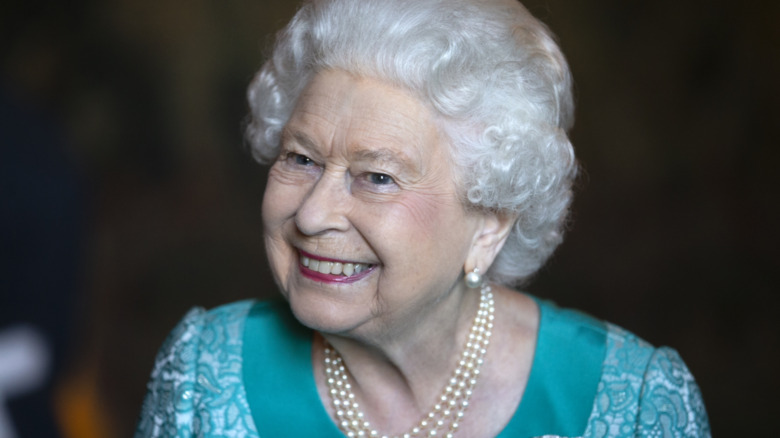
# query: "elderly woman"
{"points": [[420, 166]]}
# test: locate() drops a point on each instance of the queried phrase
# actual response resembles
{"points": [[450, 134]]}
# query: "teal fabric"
{"points": [[278, 375], [557, 401], [244, 371], [570, 349]]}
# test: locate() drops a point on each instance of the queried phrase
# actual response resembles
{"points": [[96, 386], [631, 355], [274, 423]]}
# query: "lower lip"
{"points": [[330, 278]]}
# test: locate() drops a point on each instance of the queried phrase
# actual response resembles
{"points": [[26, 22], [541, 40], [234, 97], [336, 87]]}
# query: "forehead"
{"points": [[358, 114]]}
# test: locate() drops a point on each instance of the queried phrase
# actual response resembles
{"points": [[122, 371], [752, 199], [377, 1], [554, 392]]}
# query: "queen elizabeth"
{"points": [[419, 169]]}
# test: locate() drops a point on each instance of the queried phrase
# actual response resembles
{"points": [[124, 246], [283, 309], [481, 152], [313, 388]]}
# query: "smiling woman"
{"points": [[370, 186], [420, 166]]}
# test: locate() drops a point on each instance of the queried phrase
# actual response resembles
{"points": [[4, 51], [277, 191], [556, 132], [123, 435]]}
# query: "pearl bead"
{"points": [[453, 401], [473, 279]]}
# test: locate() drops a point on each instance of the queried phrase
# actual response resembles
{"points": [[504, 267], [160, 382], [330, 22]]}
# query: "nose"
{"points": [[325, 206]]}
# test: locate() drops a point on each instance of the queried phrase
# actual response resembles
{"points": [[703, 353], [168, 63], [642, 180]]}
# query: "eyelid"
{"points": [[296, 156], [294, 141], [363, 183], [391, 181], [289, 154]]}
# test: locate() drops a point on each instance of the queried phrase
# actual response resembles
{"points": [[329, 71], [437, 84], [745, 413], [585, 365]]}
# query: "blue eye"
{"points": [[302, 160], [380, 179]]}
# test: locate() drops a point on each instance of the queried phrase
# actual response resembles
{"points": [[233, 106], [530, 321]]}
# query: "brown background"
{"points": [[674, 232]]}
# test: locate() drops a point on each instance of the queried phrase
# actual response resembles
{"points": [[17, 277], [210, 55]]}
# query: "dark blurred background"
{"points": [[128, 195]]}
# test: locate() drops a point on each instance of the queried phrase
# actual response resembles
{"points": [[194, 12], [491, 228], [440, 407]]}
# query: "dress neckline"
{"points": [[282, 394]]}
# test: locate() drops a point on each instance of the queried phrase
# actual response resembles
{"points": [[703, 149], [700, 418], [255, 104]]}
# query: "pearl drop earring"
{"points": [[473, 279]]}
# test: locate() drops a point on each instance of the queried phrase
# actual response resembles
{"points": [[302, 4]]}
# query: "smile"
{"points": [[327, 267]]}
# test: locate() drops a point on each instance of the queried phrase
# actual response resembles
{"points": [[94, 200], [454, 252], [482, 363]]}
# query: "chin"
{"points": [[321, 312]]}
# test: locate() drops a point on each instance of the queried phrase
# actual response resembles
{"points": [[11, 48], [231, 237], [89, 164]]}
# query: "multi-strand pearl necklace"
{"points": [[447, 413]]}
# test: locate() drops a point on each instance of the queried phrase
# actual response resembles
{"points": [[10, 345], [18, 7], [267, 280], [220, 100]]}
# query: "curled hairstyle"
{"points": [[491, 73]]}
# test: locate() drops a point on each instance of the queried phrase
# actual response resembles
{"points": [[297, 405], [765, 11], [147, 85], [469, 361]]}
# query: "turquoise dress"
{"points": [[244, 370]]}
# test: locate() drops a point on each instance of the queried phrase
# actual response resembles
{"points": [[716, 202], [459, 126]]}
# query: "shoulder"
{"points": [[572, 320], [636, 390], [645, 391], [572, 337], [198, 364], [567, 367], [198, 318], [210, 330], [199, 329]]}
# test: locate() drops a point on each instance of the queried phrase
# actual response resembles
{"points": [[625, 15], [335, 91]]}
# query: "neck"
{"points": [[401, 371]]}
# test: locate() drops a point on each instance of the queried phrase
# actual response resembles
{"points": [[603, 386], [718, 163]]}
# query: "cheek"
{"points": [[422, 214], [421, 240], [421, 219], [279, 206], [432, 207], [279, 201], [279, 258]]}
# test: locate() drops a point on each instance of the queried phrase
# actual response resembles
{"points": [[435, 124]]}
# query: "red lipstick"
{"points": [[330, 278]]}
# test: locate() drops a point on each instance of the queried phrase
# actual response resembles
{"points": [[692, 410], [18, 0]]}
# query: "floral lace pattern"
{"points": [[196, 387], [645, 392]]}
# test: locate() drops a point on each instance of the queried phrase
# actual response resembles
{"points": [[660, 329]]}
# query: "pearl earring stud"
{"points": [[473, 279]]}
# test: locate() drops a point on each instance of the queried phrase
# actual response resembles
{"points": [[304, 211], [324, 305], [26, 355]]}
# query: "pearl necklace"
{"points": [[451, 405]]}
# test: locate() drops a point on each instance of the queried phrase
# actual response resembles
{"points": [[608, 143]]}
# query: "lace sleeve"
{"points": [[645, 392], [169, 404], [670, 403]]}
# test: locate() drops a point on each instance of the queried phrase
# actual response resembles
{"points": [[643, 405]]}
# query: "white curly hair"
{"points": [[490, 71]]}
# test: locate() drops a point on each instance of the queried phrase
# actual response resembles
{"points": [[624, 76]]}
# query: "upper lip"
{"points": [[327, 259]]}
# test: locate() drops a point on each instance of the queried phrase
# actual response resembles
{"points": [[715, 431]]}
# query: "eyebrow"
{"points": [[382, 155], [300, 137]]}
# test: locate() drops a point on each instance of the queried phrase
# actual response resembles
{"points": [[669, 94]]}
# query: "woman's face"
{"points": [[363, 224]]}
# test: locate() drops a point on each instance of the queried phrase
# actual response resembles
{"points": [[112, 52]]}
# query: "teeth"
{"points": [[325, 267], [333, 268]]}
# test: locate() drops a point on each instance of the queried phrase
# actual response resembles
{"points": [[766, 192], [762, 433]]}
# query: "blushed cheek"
{"points": [[278, 211], [270, 210], [429, 215], [279, 258], [436, 228], [278, 200]]}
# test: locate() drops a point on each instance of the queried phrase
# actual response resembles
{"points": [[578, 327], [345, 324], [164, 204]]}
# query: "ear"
{"points": [[492, 232]]}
